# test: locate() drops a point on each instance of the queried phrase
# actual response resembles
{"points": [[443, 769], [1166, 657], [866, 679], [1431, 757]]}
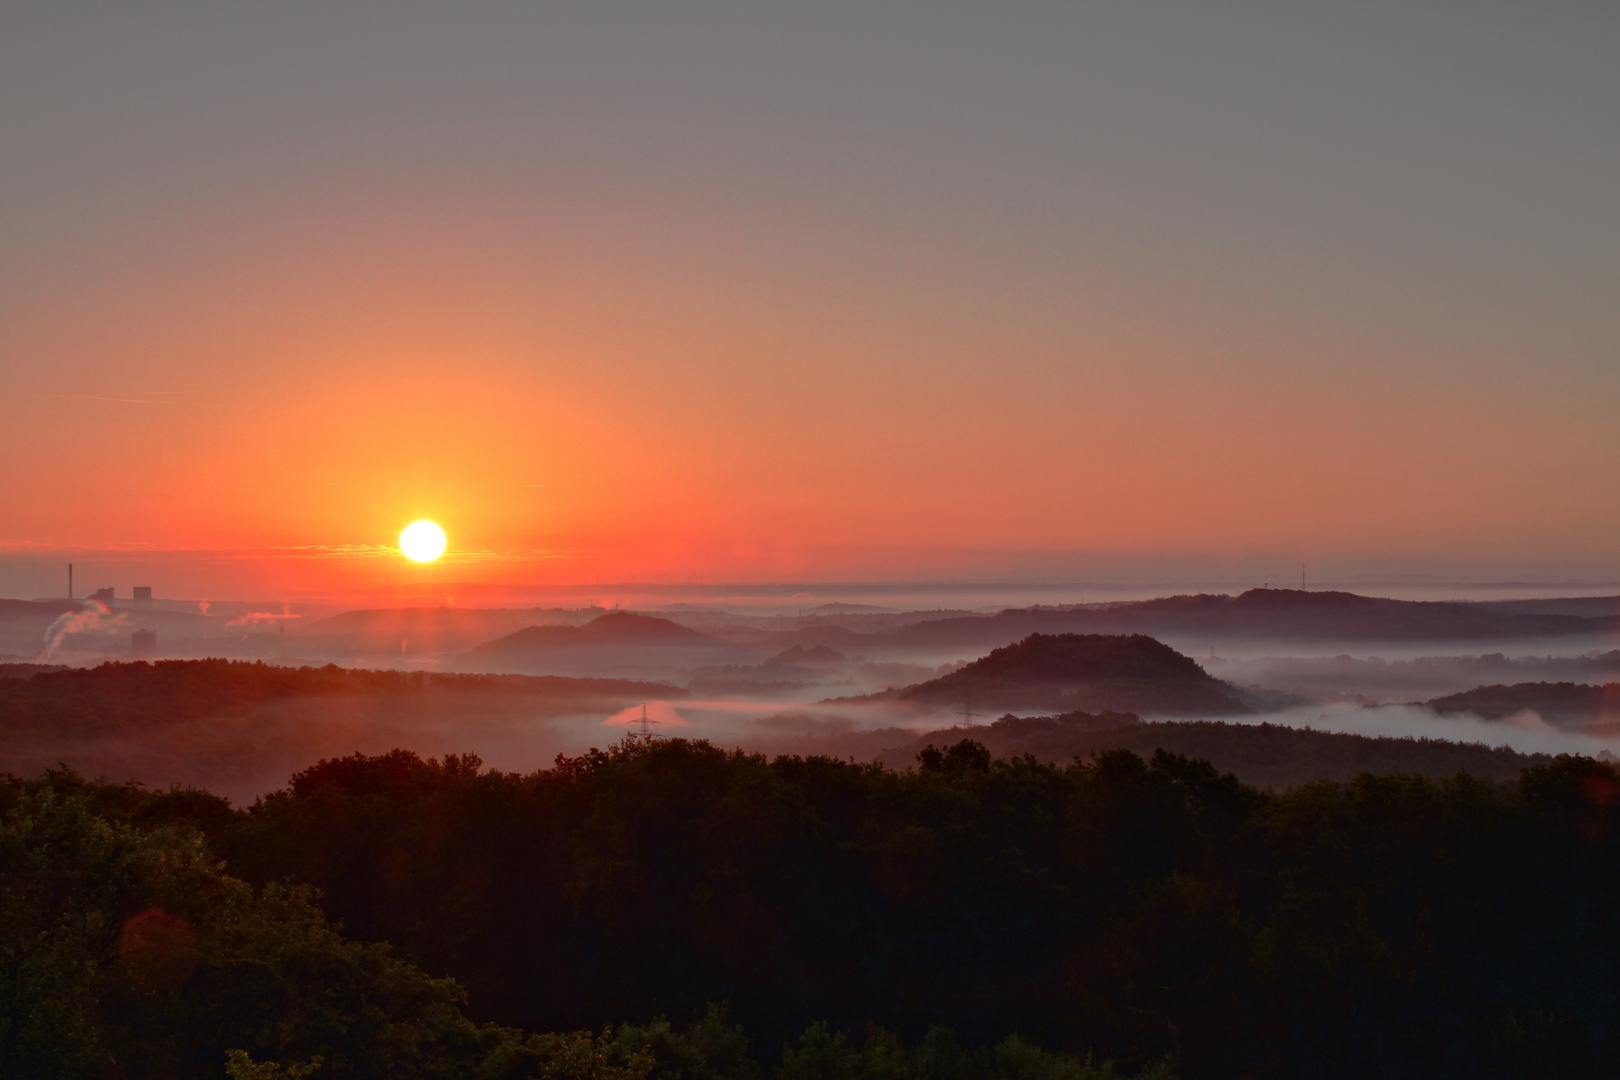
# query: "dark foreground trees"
{"points": [[127, 952], [948, 921]]}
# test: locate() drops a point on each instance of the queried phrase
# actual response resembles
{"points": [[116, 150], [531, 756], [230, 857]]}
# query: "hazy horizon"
{"points": [[33, 582]]}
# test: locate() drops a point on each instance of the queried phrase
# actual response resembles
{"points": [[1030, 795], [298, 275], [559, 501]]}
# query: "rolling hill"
{"points": [[421, 630], [1564, 704], [1263, 614], [618, 642], [1080, 672], [241, 728]]}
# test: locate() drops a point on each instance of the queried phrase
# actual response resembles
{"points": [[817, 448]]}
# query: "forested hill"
{"points": [[151, 695], [241, 728], [614, 628], [1281, 614], [23, 671], [1566, 704], [1082, 672], [619, 640], [1269, 756]]}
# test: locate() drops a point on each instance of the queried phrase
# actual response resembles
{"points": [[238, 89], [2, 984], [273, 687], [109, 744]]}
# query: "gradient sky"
{"points": [[826, 292]]}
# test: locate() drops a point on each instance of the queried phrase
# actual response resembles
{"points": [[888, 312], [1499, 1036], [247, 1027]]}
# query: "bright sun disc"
{"points": [[422, 541]]}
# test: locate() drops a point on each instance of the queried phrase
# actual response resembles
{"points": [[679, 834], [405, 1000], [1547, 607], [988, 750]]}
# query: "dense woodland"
{"points": [[143, 696], [1564, 703], [952, 919], [1271, 756]]}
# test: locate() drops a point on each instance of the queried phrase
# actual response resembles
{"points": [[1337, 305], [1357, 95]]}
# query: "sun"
{"points": [[422, 541]]}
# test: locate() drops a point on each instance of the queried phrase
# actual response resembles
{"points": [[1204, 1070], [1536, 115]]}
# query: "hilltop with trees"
{"points": [[1080, 672], [1565, 704]]}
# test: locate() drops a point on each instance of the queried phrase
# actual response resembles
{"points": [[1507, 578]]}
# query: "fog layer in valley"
{"points": [[1524, 732], [845, 679]]}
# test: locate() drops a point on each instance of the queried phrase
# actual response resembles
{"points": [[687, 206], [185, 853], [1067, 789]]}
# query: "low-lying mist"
{"points": [[244, 745], [1370, 678], [1525, 732], [777, 683]]}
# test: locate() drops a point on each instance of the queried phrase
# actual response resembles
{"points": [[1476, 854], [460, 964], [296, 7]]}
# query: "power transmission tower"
{"points": [[646, 732]]}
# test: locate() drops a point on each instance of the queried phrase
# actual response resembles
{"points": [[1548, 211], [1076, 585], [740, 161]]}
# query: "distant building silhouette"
{"points": [[143, 595], [104, 595], [143, 643]]}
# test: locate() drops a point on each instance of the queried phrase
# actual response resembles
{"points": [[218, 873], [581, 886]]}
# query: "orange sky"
{"points": [[809, 333]]}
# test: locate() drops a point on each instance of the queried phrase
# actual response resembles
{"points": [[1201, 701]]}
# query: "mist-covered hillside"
{"points": [[422, 631], [238, 727], [618, 643], [1567, 704]]}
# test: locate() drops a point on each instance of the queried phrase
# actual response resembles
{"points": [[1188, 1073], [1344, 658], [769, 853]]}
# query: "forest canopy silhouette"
{"points": [[1139, 911]]}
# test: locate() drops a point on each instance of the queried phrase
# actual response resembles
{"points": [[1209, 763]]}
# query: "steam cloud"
{"points": [[94, 617], [254, 618]]}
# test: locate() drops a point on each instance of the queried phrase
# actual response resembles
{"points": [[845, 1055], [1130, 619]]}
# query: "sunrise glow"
{"points": [[421, 541], [798, 356]]}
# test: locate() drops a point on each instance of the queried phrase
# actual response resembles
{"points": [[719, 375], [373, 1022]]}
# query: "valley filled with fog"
{"points": [[840, 678]]}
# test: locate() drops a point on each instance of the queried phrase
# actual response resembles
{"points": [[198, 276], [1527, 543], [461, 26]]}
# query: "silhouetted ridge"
{"points": [[618, 643], [1291, 614], [1071, 659], [155, 696], [1301, 600], [614, 628], [816, 654], [1090, 672]]}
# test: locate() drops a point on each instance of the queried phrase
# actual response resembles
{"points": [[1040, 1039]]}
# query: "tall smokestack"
{"points": [[70, 581]]}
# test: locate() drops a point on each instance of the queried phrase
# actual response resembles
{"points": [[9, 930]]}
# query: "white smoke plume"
{"points": [[260, 618], [94, 617]]}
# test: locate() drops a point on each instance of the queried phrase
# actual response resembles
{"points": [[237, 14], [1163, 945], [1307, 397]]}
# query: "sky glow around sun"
{"points": [[820, 294]]}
